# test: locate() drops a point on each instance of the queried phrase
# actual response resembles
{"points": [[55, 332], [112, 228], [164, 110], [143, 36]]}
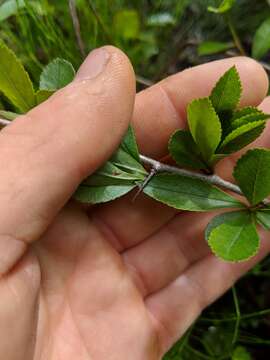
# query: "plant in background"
{"points": [[217, 127]]}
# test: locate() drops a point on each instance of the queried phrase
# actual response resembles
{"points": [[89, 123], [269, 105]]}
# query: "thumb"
{"points": [[49, 151]]}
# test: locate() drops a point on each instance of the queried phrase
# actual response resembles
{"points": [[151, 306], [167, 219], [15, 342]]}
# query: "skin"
{"points": [[119, 281]]}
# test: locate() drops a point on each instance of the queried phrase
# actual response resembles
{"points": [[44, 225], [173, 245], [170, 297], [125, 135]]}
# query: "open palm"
{"points": [[118, 281]]}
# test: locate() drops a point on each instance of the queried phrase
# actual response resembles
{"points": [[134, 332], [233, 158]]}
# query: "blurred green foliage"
{"points": [[162, 37]]}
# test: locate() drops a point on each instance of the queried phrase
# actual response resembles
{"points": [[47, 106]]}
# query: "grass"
{"points": [[160, 37]]}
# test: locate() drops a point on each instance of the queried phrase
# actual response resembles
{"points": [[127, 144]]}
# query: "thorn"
{"points": [[152, 173]]}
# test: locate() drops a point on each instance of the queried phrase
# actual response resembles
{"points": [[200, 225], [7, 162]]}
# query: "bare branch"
{"points": [[211, 179]]}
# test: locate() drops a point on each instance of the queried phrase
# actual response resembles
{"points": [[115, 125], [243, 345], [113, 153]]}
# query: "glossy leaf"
{"points": [[184, 150], [186, 193], [235, 239], [241, 136], [56, 75], [226, 94], [213, 47], [225, 6], [252, 173], [261, 41], [15, 83], [204, 126]]}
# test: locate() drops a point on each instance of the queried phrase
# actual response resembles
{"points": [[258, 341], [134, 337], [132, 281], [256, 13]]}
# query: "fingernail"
{"points": [[93, 65]]}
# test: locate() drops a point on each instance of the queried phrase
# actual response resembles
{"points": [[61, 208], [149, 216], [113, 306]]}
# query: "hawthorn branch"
{"points": [[157, 167], [211, 179]]}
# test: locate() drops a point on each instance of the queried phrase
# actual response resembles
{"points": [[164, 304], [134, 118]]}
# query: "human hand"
{"points": [[118, 281]]}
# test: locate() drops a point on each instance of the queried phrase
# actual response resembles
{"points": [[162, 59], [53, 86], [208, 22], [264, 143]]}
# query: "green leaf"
{"points": [[129, 144], [8, 115], [186, 193], [252, 173], [56, 75], [11, 7], [261, 41], [126, 24], [225, 6], [204, 126], [226, 94], [15, 83], [184, 150], [122, 173], [241, 353], [161, 19], [43, 95], [235, 238], [213, 47], [241, 136], [248, 119], [263, 217], [248, 110]]}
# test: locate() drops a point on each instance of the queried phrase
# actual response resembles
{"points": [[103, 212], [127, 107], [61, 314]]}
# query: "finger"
{"points": [[159, 110], [161, 258], [176, 307], [49, 151]]}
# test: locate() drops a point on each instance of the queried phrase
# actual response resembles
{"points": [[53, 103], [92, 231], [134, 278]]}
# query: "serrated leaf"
{"points": [[252, 173], [261, 41], [213, 47], [43, 95], [235, 239], [184, 150], [263, 217], [226, 94], [204, 126], [241, 137], [185, 193], [116, 177], [8, 115], [225, 6], [248, 110], [56, 75], [15, 83], [248, 119]]}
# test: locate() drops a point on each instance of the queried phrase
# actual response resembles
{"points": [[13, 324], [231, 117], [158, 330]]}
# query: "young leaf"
{"points": [[190, 194], [15, 83], [226, 94], [248, 119], [252, 173], [204, 126], [56, 75], [248, 110], [184, 150], [225, 6], [213, 47], [236, 239], [241, 136], [43, 95], [261, 41], [263, 217]]}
